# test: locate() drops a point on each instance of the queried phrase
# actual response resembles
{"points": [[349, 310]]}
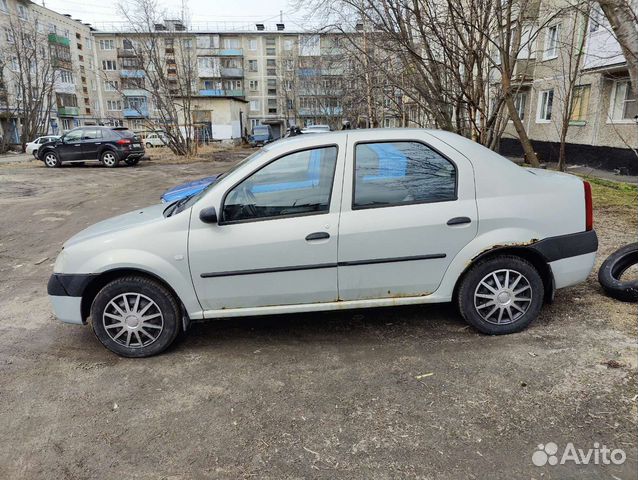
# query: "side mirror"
{"points": [[208, 215]]}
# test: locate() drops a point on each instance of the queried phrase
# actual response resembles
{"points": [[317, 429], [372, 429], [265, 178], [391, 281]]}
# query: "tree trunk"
{"points": [[623, 22], [530, 154]]}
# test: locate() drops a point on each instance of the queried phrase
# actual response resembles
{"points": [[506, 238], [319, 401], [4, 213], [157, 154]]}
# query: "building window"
{"points": [[107, 44], [23, 13], [253, 85], [271, 63], [288, 44], [580, 103], [254, 105], [271, 52], [187, 43], [551, 42], [8, 35], [113, 105], [66, 76], [252, 66], [109, 65], [252, 44], [624, 105], [545, 102], [232, 43], [110, 86], [254, 122], [520, 100]]}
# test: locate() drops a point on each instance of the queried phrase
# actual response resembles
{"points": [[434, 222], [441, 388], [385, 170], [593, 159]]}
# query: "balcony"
{"points": [[53, 38], [68, 111], [320, 112], [62, 63], [64, 87], [132, 73], [127, 53], [228, 52], [222, 93], [141, 112], [232, 72], [133, 92]]}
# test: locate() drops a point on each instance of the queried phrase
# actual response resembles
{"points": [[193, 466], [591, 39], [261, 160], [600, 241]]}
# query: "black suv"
{"points": [[109, 145]]}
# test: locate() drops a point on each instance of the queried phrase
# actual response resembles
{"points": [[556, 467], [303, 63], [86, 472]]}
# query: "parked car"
{"points": [[316, 129], [108, 145], [156, 139], [32, 147], [261, 135], [350, 219], [187, 189]]}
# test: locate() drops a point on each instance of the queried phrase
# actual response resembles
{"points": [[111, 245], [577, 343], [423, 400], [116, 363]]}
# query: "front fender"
{"points": [[173, 272]]}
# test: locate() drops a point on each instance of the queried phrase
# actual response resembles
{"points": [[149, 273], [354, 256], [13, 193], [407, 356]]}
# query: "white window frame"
{"points": [[611, 118], [109, 63], [106, 44], [551, 50], [23, 12], [255, 106], [252, 44], [110, 85], [253, 85], [541, 110]]}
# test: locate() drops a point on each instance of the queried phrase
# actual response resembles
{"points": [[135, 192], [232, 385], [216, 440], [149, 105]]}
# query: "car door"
{"points": [[71, 146], [276, 239], [409, 207], [91, 141]]}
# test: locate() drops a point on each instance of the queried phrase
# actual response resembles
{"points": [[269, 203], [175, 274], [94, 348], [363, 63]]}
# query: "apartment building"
{"points": [[603, 117], [285, 78], [62, 77]]}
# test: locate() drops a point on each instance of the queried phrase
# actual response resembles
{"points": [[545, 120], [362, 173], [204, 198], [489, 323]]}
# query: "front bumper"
{"points": [[67, 309], [65, 294]]}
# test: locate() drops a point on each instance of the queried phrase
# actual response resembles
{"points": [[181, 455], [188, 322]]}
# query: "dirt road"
{"points": [[384, 393]]}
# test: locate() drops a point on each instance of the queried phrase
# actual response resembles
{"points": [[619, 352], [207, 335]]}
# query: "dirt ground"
{"points": [[380, 393]]}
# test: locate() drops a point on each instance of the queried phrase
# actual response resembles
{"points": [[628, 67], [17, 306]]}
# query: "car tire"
{"points": [[132, 161], [109, 159], [612, 269], [501, 295], [149, 145], [135, 316], [51, 159]]}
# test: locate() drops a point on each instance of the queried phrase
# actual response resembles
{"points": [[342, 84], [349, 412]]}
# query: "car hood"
{"points": [[187, 189], [119, 223]]}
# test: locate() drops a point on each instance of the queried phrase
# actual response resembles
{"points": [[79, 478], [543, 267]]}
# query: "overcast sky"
{"points": [[249, 11]]}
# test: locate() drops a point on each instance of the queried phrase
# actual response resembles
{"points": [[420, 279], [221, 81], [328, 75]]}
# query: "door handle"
{"points": [[459, 220], [77, 145], [97, 143], [317, 236]]}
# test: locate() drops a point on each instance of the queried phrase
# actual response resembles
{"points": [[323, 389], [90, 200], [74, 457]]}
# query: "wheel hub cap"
{"points": [[503, 296], [133, 320]]}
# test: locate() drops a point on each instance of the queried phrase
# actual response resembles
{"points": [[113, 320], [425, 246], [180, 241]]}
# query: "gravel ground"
{"points": [[380, 393]]}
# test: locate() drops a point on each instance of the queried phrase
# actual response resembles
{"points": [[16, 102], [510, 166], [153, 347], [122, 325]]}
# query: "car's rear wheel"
{"points": [[109, 159], [51, 160], [135, 316], [501, 295], [132, 161]]}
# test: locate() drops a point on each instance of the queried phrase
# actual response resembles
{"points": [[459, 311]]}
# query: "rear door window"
{"points": [[92, 134], [401, 173]]}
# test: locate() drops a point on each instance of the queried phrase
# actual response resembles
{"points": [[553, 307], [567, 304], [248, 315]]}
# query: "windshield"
{"points": [[184, 203], [260, 131]]}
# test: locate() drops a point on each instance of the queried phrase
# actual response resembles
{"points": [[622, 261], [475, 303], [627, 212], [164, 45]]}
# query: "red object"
{"points": [[123, 141], [589, 208]]}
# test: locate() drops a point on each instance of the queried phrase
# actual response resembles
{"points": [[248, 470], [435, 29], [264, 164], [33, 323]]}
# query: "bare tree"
{"points": [[166, 55], [32, 70], [623, 18]]}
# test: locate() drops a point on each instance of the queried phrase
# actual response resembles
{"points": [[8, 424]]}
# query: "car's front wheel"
{"points": [[109, 159], [135, 316], [51, 160], [501, 295]]}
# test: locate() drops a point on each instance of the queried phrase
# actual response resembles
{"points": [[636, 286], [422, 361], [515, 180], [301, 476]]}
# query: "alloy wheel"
{"points": [[108, 159], [503, 296], [50, 160]]}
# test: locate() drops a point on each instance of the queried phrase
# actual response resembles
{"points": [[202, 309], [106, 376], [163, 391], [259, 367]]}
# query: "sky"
{"points": [[249, 11]]}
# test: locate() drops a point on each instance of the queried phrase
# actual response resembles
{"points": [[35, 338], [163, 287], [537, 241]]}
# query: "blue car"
{"points": [[187, 189]]}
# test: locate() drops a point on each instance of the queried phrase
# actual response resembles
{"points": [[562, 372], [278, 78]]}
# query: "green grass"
{"points": [[608, 193]]}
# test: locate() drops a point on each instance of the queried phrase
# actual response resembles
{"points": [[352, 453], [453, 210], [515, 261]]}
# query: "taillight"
{"points": [[123, 141], [589, 208]]}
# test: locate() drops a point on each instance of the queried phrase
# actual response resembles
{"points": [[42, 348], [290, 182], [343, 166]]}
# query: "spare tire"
{"points": [[612, 269]]}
